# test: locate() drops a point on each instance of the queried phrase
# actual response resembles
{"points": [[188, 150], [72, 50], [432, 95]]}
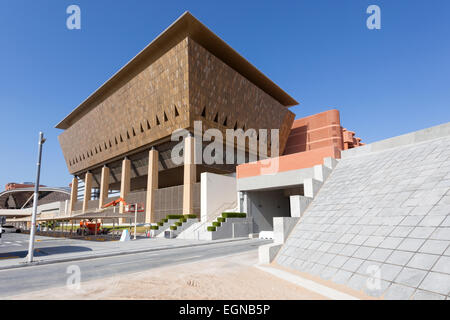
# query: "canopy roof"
{"points": [[185, 26]]}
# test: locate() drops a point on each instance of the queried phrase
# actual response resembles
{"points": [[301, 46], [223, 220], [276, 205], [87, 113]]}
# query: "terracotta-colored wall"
{"points": [[316, 131], [311, 139], [295, 161]]}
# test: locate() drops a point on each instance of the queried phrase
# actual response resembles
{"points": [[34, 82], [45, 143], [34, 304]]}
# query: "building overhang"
{"points": [[185, 26]]}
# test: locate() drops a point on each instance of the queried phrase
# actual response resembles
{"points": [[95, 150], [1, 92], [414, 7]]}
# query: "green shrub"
{"points": [[211, 229], [183, 220], [166, 220], [190, 216], [178, 223], [160, 224], [173, 227], [220, 219], [174, 216], [216, 224], [154, 227], [233, 215]]}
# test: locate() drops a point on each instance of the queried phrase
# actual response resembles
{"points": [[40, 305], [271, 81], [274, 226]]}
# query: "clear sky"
{"points": [[384, 82]]}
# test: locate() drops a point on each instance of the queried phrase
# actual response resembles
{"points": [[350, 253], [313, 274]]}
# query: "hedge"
{"points": [[216, 224], [234, 215], [211, 228], [175, 216], [160, 224], [178, 223], [154, 227], [165, 220], [173, 227], [221, 219], [183, 220], [190, 216]]}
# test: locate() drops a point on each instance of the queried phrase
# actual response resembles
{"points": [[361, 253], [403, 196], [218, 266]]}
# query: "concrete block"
{"points": [[410, 277], [357, 282], [241, 230], [425, 295], [409, 244], [311, 187], [398, 292], [443, 265], [380, 254], [390, 243], [282, 227], [434, 247], [437, 283], [328, 272], [422, 232], [399, 257], [299, 204], [388, 272], [321, 172], [341, 276], [268, 252], [363, 252], [338, 261], [330, 163], [423, 261]]}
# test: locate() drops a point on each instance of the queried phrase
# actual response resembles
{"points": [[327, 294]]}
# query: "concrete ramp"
{"points": [[381, 221]]}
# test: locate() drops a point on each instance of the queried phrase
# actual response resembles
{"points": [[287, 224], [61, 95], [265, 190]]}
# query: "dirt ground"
{"points": [[231, 277]]}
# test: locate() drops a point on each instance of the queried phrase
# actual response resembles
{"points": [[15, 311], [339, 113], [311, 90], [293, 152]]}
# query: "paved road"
{"points": [[28, 279]]}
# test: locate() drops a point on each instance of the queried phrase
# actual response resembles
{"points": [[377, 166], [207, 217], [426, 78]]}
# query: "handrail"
{"points": [[219, 210]]}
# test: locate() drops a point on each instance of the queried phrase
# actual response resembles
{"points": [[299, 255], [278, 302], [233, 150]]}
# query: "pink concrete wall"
{"points": [[311, 139], [299, 160]]}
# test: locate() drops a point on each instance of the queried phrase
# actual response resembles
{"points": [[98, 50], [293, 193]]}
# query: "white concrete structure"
{"points": [[381, 221], [218, 193]]}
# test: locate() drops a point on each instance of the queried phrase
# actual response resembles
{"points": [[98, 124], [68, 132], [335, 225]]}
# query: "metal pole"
{"points": [[135, 220], [35, 201]]}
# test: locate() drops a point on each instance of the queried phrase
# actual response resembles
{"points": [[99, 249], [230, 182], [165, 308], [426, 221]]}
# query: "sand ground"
{"points": [[230, 277]]}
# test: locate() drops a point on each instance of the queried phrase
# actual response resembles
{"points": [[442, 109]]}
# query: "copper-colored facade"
{"points": [[184, 75]]}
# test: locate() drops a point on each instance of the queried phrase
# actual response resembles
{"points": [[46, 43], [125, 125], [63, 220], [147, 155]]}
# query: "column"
{"points": [[189, 175], [124, 184], [87, 190], [152, 184], [104, 187], [73, 194]]}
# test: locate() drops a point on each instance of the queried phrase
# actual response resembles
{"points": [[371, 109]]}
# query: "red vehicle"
{"points": [[89, 228]]}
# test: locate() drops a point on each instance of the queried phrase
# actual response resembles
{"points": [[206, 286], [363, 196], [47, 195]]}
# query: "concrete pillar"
{"points": [[189, 175], [152, 184], [87, 190], [104, 187], [298, 205], [73, 195], [124, 184]]}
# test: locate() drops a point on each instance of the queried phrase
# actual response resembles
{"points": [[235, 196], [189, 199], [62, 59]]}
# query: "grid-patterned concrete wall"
{"points": [[381, 216]]}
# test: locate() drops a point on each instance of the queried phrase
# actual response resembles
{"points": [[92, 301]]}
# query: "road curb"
{"points": [[112, 254]]}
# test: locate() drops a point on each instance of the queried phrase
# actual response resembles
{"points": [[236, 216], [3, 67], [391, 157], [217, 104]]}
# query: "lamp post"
{"points": [[35, 200]]}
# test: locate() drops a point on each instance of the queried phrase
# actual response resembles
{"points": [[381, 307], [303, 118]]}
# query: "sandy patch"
{"points": [[231, 277]]}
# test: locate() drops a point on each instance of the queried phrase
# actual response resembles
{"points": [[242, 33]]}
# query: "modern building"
{"points": [[119, 138], [16, 202]]}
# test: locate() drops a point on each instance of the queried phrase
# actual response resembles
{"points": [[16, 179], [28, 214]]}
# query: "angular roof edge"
{"points": [[185, 25]]}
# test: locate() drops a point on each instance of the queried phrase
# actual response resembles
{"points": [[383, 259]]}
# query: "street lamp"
{"points": [[35, 200]]}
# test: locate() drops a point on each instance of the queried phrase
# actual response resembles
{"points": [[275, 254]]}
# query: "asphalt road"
{"points": [[33, 278]]}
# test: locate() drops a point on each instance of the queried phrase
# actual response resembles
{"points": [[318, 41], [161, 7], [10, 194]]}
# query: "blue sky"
{"points": [[385, 82]]}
